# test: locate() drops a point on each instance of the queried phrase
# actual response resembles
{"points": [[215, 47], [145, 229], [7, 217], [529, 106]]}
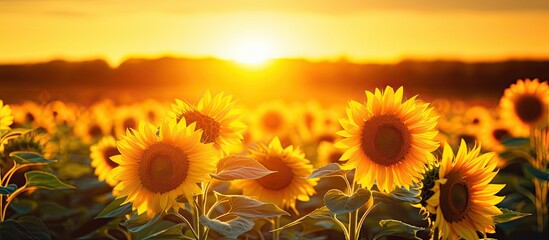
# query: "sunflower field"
{"points": [[385, 166]]}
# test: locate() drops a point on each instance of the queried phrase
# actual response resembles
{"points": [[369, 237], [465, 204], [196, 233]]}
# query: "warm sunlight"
{"points": [[252, 50]]}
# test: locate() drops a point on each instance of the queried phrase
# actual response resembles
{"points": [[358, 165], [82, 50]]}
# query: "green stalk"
{"points": [[276, 234]]}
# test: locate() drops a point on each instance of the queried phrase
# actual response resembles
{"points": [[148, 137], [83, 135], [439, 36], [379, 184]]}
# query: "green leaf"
{"points": [[508, 215], [399, 195], [9, 189], [161, 230], [250, 208], [536, 172], [139, 222], [239, 167], [327, 170], [45, 180], [230, 229], [515, 142], [23, 206], [22, 158], [13, 133], [115, 209], [392, 227], [319, 213], [339, 202], [26, 227]]}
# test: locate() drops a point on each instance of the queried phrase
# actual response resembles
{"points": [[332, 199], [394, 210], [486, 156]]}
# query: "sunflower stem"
{"points": [[10, 198], [187, 222], [6, 178], [196, 216], [212, 208], [541, 203], [361, 222], [202, 203], [276, 225], [1, 198], [353, 235], [343, 228], [353, 216]]}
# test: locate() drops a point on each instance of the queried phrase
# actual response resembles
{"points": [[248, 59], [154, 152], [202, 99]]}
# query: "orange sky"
{"points": [[362, 31]]}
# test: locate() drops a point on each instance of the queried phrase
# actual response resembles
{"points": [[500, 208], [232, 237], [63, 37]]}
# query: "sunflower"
{"points": [[153, 110], [95, 123], [327, 153], [216, 116], [288, 184], [34, 141], [271, 119], [6, 119], [155, 169], [62, 113], [309, 121], [100, 154], [477, 117], [492, 135], [126, 117], [26, 114], [463, 199], [32, 115], [524, 105], [386, 140]]}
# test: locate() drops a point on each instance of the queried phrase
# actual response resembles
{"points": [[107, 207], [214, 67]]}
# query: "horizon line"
{"points": [[347, 59]]}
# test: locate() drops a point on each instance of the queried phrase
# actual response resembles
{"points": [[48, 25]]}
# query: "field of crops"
{"points": [[388, 165]]}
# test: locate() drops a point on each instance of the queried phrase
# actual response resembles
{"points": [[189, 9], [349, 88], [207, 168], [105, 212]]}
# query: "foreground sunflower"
{"points": [[387, 140], [525, 105], [463, 199], [155, 169], [288, 184], [216, 116], [100, 154], [6, 119]]}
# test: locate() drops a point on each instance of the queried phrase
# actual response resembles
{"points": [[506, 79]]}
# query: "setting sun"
{"points": [[252, 50]]}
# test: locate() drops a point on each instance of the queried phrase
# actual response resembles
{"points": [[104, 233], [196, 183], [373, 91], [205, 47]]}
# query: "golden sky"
{"points": [[360, 30]]}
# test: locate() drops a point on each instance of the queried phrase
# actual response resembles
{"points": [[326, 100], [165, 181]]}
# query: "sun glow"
{"points": [[253, 51]]}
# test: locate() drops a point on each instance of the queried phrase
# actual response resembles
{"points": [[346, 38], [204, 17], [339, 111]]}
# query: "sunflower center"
{"points": [[454, 198], [334, 157], [29, 117], [529, 108], [95, 131], [129, 123], [309, 119], [209, 126], [469, 139], [385, 139], [163, 167], [326, 138], [151, 115], [109, 152], [500, 134], [279, 180], [272, 121]]}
